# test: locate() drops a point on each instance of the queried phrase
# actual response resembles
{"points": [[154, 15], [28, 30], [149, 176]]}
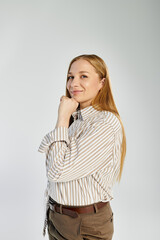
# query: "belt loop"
{"points": [[95, 206], [60, 208]]}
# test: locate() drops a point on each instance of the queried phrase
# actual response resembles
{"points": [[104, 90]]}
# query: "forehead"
{"points": [[81, 65]]}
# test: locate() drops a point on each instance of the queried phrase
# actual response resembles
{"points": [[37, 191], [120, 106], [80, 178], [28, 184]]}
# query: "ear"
{"points": [[103, 81]]}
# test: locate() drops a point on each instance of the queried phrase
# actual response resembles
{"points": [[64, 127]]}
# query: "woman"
{"points": [[84, 155]]}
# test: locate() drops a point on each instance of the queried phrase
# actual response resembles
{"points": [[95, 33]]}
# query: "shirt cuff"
{"points": [[58, 134]]}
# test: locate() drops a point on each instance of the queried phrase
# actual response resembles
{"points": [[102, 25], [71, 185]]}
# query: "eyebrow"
{"points": [[79, 72]]}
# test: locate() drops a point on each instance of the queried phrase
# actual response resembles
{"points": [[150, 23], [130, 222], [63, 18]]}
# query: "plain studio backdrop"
{"points": [[38, 39]]}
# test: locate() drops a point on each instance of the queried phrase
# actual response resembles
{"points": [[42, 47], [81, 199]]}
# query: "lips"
{"points": [[76, 91]]}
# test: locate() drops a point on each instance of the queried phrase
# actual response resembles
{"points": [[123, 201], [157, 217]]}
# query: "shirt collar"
{"points": [[84, 113]]}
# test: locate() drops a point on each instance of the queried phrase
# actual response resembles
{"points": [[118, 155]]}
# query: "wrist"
{"points": [[62, 122]]}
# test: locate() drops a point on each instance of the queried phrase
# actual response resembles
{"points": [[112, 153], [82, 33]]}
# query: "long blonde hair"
{"points": [[104, 99]]}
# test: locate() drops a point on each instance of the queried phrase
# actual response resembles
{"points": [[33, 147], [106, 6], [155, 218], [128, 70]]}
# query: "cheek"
{"points": [[87, 85], [91, 87], [68, 84]]}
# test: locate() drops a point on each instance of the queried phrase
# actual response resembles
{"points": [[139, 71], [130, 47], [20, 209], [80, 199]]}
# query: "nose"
{"points": [[74, 82]]}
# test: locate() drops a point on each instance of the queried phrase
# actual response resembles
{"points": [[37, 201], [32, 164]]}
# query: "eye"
{"points": [[84, 75], [69, 77]]}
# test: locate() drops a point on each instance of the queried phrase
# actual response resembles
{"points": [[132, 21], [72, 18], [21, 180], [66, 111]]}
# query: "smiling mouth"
{"points": [[74, 92]]}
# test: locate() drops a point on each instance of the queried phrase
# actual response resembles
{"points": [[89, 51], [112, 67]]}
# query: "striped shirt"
{"points": [[83, 161]]}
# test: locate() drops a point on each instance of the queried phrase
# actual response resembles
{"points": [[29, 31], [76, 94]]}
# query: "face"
{"points": [[83, 82]]}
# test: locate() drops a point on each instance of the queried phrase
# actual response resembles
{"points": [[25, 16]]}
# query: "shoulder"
{"points": [[111, 119]]}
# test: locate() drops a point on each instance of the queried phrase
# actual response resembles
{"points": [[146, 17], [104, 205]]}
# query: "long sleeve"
{"points": [[58, 134], [69, 158]]}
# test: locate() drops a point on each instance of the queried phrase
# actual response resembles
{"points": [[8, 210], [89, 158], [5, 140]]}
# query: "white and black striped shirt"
{"points": [[83, 161]]}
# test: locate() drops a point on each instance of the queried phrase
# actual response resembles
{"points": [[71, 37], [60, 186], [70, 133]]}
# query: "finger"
{"points": [[61, 98]]}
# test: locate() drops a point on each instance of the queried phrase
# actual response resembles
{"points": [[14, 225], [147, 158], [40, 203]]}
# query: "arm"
{"points": [[69, 159], [49, 138]]}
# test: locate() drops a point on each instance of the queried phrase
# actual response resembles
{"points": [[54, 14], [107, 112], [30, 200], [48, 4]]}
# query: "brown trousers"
{"points": [[87, 226]]}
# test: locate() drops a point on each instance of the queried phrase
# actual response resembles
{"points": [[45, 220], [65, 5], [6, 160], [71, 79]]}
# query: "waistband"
{"points": [[73, 210]]}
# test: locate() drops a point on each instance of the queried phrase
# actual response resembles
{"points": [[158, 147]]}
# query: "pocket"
{"points": [[99, 224], [63, 225]]}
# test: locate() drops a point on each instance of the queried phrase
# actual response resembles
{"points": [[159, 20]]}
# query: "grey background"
{"points": [[38, 39]]}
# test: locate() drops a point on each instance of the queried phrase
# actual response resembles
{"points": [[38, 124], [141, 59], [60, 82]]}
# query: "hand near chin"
{"points": [[66, 107]]}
